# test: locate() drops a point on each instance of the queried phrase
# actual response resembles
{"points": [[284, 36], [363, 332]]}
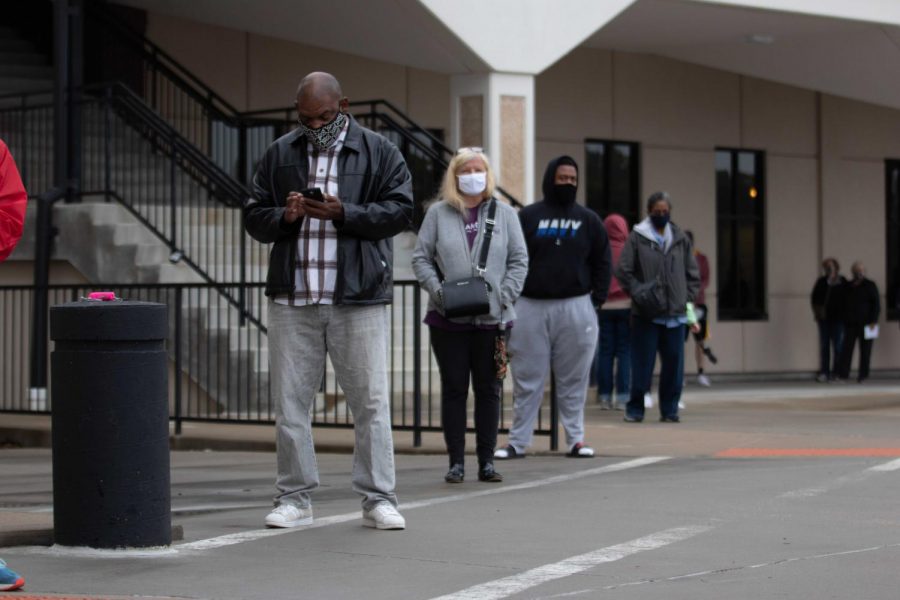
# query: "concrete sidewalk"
{"points": [[715, 420]]}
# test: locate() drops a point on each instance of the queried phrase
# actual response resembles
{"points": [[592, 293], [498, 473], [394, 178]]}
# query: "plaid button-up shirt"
{"points": [[316, 273]]}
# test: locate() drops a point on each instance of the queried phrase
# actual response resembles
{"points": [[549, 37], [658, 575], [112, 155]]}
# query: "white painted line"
{"points": [[888, 466], [622, 466], [507, 586], [857, 477], [256, 534]]}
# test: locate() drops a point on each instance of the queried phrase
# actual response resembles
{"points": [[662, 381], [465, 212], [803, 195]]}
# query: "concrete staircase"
{"points": [[108, 243]]}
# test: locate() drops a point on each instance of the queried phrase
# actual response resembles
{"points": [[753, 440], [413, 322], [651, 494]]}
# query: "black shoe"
{"points": [[672, 419], [709, 354], [487, 473], [630, 419], [456, 474]]}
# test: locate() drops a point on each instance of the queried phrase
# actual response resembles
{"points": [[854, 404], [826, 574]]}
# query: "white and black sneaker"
{"points": [[507, 452]]}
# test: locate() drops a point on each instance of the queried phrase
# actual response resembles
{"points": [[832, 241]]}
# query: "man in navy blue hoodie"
{"points": [[556, 325]]}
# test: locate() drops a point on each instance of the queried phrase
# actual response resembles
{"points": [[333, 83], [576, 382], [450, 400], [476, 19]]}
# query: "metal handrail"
{"points": [[217, 108], [182, 74]]}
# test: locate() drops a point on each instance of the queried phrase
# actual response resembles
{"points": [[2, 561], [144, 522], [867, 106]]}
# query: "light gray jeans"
{"points": [[561, 334], [355, 337]]}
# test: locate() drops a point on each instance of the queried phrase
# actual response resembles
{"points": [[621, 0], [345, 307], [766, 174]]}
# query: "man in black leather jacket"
{"points": [[329, 196]]}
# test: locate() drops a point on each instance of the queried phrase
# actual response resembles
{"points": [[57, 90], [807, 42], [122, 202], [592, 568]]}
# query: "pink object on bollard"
{"points": [[104, 296]]}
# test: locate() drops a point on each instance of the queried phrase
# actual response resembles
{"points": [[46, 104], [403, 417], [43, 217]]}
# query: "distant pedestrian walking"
{"points": [[568, 279], [657, 268], [454, 236], [614, 355], [828, 310], [862, 307]]}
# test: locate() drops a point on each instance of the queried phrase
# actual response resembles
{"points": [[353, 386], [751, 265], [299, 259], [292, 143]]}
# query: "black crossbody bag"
{"points": [[470, 297]]}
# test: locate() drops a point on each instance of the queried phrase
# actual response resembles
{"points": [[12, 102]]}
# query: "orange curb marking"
{"points": [[776, 452]]}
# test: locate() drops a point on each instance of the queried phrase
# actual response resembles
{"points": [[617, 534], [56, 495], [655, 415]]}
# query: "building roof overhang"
{"points": [[849, 49]]}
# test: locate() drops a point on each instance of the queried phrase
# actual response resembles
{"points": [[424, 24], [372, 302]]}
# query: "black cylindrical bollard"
{"points": [[110, 423]]}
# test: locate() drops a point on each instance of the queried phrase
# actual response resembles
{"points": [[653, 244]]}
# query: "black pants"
{"points": [[851, 334], [459, 354]]}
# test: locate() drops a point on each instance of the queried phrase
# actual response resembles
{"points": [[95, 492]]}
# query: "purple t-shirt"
{"points": [[471, 225]]}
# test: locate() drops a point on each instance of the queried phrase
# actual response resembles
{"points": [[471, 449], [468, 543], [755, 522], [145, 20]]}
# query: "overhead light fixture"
{"points": [[760, 38]]}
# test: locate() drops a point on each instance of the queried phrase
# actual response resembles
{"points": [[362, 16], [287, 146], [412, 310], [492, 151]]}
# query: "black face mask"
{"points": [[659, 221], [564, 193]]}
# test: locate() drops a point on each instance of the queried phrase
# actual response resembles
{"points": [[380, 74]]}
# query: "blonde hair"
{"points": [[450, 188]]}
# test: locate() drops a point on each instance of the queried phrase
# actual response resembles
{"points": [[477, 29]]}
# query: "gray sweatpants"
{"points": [[561, 334], [356, 339]]}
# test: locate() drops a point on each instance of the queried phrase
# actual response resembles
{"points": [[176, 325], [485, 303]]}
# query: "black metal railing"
{"points": [[236, 140], [221, 368], [132, 156]]}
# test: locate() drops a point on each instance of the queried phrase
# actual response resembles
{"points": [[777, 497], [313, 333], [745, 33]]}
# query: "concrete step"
{"points": [[22, 57], [26, 71], [17, 85], [15, 44]]}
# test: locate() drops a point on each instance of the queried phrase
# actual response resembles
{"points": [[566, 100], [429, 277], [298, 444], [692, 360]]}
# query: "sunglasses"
{"points": [[465, 149]]}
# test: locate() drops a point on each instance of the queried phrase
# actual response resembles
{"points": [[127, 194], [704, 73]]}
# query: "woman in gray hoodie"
{"points": [[448, 248]]}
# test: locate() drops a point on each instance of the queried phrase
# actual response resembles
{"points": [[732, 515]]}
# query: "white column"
{"points": [[496, 111]]}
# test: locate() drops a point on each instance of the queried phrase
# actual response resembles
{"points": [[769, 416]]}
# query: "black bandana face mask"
{"points": [[325, 136]]}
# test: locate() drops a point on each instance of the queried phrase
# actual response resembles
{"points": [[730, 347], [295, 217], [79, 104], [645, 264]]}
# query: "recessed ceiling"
{"points": [[847, 58], [855, 59], [395, 31]]}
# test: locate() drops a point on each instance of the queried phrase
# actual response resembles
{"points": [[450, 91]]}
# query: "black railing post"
{"points": [[173, 216], [74, 104], [243, 168], [42, 248], [242, 270], [23, 158], [178, 375], [107, 144], [417, 367], [153, 81], [60, 92]]}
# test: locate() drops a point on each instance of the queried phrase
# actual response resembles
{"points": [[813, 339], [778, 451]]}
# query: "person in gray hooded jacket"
{"points": [[448, 247], [658, 270]]}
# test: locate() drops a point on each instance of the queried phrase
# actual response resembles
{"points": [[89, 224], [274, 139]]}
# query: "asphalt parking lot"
{"points": [[759, 493]]}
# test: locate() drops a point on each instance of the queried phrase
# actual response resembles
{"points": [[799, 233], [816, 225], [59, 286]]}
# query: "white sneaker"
{"points": [[288, 515], [703, 380], [383, 516], [648, 400], [681, 405]]}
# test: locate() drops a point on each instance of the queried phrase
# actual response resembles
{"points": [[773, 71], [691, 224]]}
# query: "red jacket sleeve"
{"points": [[12, 203]]}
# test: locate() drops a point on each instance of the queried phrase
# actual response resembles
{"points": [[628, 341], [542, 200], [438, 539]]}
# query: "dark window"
{"points": [[613, 178], [892, 206], [741, 240]]}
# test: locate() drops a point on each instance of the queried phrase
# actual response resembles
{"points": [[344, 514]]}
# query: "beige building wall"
{"points": [[255, 72], [680, 113], [824, 155]]}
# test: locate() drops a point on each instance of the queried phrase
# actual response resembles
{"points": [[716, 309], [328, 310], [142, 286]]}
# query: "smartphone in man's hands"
{"points": [[313, 194]]}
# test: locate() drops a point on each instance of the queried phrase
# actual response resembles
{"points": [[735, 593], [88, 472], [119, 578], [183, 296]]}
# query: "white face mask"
{"points": [[472, 184]]}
